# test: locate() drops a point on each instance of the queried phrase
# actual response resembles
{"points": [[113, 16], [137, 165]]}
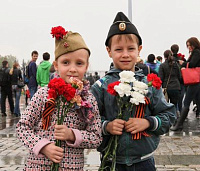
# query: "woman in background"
{"points": [[193, 91], [16, 75], [170, 75]]}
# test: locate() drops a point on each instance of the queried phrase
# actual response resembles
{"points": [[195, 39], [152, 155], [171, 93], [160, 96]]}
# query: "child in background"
{"points": [[71, 60], [123, 45]]}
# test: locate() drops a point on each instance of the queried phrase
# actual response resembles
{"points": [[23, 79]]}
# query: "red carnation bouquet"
{"points": [[65, 96], [154, 81], [180, 55]]}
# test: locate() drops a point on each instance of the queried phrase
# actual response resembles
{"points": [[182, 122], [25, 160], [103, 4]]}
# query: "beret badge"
{"points": [[122, 26]]}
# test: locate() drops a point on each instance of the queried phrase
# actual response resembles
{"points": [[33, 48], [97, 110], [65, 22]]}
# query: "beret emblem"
{"points": [[122, 26]]}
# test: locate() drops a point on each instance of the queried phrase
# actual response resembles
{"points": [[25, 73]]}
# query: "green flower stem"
{"points": [[55, 166], [107, 154], [113, 166]]}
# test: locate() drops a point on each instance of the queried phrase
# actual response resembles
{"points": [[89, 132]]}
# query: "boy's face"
{"points": [[124, 52], [73, 64]]}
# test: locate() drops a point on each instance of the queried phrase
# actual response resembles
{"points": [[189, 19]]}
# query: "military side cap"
{"points": [[122, 25], [67, 41]]}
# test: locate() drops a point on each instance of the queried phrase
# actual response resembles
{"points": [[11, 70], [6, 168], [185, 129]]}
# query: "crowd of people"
{"points": [[33, 77], [169, 71], [96, 120]]}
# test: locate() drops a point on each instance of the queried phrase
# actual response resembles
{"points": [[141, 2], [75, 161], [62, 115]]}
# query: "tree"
{"points": [[11, 59]]}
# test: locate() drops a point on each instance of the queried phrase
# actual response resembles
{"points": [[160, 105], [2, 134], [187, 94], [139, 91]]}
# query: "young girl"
{"points": [[71, 60]]}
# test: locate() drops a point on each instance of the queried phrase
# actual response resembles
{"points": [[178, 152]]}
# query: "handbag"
{"points": [[20, 84], [165, 89], [190, 75], [165, 94]]}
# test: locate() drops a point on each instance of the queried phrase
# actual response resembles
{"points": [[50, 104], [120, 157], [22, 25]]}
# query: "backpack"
{"points": [[4, 78], [26, 74]]}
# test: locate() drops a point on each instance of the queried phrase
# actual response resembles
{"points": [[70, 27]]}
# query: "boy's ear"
{"points": [[139, 49], [109, 51]]}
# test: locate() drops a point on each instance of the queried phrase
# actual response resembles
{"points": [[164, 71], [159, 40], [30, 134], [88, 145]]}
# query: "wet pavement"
{"points": [[178, 151]]}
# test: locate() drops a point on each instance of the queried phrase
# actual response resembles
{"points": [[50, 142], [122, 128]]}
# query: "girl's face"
{"points": [[73, 64], [190, 48], [124, 52]]}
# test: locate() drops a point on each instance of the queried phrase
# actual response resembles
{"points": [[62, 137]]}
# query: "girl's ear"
{"points": [[55, 63], [109, 51], [87, 66]]}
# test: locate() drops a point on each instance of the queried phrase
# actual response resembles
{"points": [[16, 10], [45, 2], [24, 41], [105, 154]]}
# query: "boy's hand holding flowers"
{"points": [[135, 125], [115, 127]]}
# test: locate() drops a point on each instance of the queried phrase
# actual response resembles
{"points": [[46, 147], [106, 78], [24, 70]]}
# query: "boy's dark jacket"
{"points": [[132, 151]]}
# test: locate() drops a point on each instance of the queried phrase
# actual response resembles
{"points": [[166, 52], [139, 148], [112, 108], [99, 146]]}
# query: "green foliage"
{"points": [[11, 59]]}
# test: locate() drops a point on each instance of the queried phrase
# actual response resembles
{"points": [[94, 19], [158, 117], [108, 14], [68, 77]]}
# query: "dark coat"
{"points": [[17, 75], [194, 59], [164, 72], [32, 74]]}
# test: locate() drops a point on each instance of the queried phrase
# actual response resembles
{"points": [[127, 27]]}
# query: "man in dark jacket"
{"points": [[6, 89], [32, 71]]}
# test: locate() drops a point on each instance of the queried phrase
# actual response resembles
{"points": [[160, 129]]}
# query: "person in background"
{"points": [[96, 76], [90, 78], [177, 57], [193, 91], [6, 89], [16, 75], [43, 71], [170, 75], [146, 69], [159, 59], [32, 71], [150, 62]]}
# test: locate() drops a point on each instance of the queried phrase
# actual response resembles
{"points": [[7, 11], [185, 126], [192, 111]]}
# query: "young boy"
{"points": [[124, 44]]}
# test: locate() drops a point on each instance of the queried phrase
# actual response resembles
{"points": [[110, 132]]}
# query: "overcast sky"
{"points": [[25, 25]]}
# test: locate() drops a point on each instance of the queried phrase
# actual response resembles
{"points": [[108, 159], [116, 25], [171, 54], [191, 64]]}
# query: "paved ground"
{"points": [[177, 151]]}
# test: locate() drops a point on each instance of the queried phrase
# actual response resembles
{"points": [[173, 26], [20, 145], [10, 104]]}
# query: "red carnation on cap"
{"points": [[58, 32]]}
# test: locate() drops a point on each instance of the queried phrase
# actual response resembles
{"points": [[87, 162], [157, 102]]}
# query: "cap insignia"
{"points": [[122, 26], [66, 44]]}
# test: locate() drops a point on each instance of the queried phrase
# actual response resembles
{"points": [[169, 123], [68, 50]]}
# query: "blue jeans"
{"points": [[17, 95], [146, 165], [32, 91]]}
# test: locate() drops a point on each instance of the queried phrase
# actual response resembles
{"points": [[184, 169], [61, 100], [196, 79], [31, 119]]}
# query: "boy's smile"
{"points": [[124, 52]]}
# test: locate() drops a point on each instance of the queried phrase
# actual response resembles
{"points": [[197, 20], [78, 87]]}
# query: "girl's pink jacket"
{"points": [[29, 131]]}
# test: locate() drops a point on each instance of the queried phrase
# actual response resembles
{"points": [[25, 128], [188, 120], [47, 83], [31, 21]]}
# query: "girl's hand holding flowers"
{"points": [[53, 152], [64, 96], [64, 133]]}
